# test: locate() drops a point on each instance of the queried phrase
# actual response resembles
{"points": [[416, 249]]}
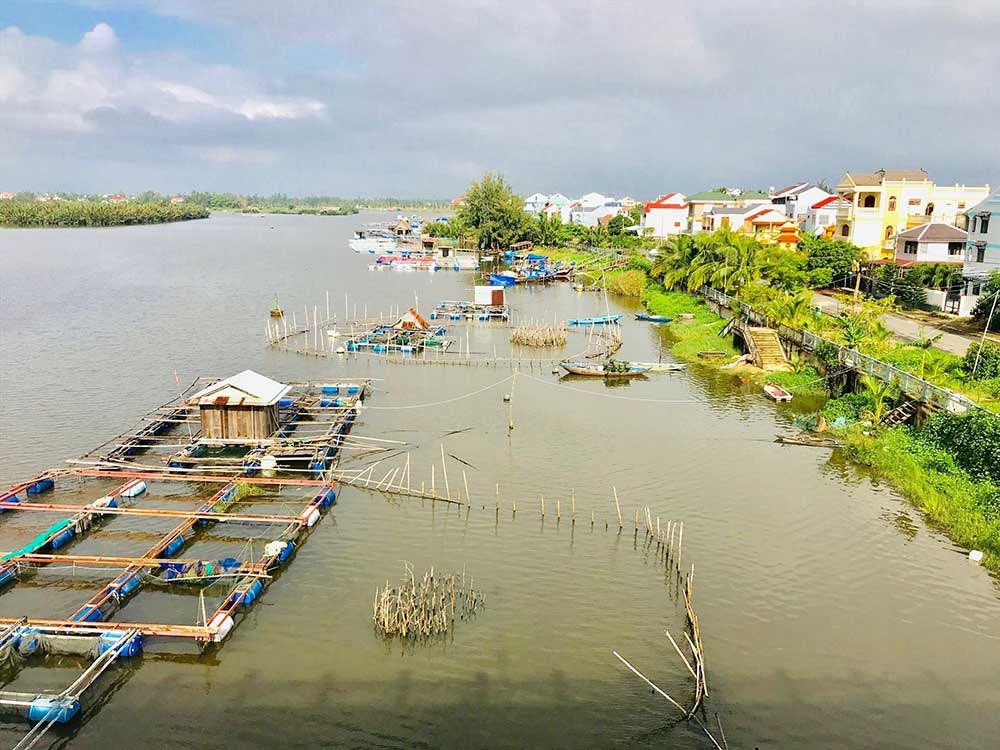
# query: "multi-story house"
{"points": [[795, 200], [881, 204], [699, 203], [665, 216], [982, 250], [821, 216], [535, 203]]}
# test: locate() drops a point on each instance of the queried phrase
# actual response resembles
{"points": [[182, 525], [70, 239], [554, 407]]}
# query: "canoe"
{"points": [[597, 371], [775, 393], [815, 442], [712, 355], [599, 321], [652, 318]]}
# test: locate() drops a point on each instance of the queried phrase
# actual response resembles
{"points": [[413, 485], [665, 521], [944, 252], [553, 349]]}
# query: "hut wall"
{"points": [[233, 422]]}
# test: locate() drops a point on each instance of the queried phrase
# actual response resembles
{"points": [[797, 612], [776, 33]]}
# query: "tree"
{"points": [[925, 342], [880, 394], [494, 213], [985, 305], [836, 255]]}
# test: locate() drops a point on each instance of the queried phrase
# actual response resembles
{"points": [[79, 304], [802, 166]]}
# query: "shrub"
{"points": [[631, 283], [989, 361], [848, 406], [973, 438]]}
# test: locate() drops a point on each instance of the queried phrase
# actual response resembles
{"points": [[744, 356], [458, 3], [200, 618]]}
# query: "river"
{"points": [[832, 615]]}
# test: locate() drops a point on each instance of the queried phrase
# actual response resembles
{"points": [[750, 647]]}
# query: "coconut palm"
{"points": [[881, 395], [924, 342]]}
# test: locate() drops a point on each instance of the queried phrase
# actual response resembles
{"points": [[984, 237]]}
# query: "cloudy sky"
{"points": [[416, 98]]}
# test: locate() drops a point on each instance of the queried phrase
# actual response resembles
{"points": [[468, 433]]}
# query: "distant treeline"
{"points": [[91, 213], [281, 203]]}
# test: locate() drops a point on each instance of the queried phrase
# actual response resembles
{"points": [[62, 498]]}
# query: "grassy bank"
{"points": [[692, 335], [94, 214]]}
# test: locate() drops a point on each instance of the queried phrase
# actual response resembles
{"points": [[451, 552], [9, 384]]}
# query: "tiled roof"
{"points": [[935, 231]]}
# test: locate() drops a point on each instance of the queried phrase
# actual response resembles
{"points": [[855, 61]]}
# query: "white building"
{"points": [[535, 203], [982, 251], [821, 216], [666, 216], [795, 200], [935, 242]]}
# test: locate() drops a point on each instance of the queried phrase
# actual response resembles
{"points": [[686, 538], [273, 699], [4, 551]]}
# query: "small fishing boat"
{"points": [[815, 442], [602, 320], [503, 279], [776, 394], [712, 355], [652, 318], [610, 369]]}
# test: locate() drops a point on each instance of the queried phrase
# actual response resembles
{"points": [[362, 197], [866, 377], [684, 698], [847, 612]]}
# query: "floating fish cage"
{"points": [[68, 519], [390, 338], [464, 310], [298, 428]]}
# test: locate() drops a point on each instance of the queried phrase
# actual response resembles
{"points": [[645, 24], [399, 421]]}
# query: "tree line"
{"points": [[75, 213]]}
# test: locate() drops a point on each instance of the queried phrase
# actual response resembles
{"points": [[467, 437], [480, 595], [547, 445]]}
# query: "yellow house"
{"points": [[879, 205]]}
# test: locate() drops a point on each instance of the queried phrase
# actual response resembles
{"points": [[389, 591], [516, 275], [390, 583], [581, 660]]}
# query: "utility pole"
{"points": [[856, 265], [989, 319]]}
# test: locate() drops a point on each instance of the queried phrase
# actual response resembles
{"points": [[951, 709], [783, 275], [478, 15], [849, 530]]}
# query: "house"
{"points": [[177, 199], [701, 202], [936, 242], [552, 211], [628, 203], [533, 204], [241, 407], [592, 199], [764, 224], [732, 218], [401, 228], [881, 204], [796, 199], [118, 198], [982, 250], [591, 216], [821, 216], [789, 236], [7, 196], [665, 216]]}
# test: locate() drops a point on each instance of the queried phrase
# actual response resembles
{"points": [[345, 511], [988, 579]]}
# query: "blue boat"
{"points": [[652, 318], [600, 321], [503, 279]]}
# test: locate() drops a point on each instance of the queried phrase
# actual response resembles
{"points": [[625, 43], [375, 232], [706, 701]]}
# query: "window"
{"points": [[961, 205], [892, 202], [955, 248], [913, 202], [930, 210], [845, 230], [980, 255], [976, 289], [869, 201], [984, 224], [910, 248], [677, 223], [975, 219], [888, 232]]}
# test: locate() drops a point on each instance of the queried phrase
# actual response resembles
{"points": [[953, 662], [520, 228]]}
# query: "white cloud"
{"points": [[99, 40]]}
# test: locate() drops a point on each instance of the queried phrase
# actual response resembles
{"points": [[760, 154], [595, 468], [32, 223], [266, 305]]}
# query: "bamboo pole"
{"points": [[618, 508], [444, 470], [468, 497]]}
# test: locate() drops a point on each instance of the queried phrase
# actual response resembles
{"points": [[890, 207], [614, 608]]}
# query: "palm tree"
{"points": [[924, 343], [676, 256], [794, 310], [880, 394]]}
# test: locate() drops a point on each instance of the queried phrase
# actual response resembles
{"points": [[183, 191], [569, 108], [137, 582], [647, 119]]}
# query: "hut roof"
{"points": [[247, 388]]}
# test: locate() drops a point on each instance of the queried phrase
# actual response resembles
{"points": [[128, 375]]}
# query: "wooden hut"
{"points": [[401, 228], [241, 407]]}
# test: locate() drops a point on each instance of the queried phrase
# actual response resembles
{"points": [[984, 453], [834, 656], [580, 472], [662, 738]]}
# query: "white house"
{"points": [[592, 199], [982, 250], [728, 217], [535, 203], [935, 242], [821, 216], [665, 216], [590, 216], [795, 200]]}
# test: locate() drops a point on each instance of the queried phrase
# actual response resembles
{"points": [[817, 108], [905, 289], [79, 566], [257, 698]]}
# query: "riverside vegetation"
{"points": [[64, 213], [949, 467]]}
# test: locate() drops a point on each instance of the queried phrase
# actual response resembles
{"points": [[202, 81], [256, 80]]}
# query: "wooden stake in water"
{"points": [[468, 497], [444, 470], [543, 506], [618, 508]]}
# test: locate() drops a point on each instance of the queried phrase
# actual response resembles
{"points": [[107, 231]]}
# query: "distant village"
{"points": [[105, 198], [895, 215]]}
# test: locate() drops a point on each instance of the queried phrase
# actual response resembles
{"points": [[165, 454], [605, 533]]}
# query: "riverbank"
{"points": [[93, 214]]}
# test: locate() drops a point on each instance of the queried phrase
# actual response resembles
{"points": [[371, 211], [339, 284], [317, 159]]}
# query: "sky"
{"points": [[417, 98]]}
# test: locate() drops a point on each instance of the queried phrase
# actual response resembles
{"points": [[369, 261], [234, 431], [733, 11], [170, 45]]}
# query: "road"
{"points": [[904, 328]]}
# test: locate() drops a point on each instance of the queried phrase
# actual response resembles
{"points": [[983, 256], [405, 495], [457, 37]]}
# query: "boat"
{"points": [[503, 279], [652, 318], [712, 355], [776, 393], [815, 442], [602, 320], [609, 369]]}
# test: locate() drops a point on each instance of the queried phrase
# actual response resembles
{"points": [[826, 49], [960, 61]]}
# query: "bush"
{"points": [[848, 406], [973, 438], [989, 361], [629, 283]]}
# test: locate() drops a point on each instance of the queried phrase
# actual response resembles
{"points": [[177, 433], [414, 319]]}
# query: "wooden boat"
{"points": [[652, 318], [602, 320], [776, 394], [712, 355], [599, 371], [815, 442]]}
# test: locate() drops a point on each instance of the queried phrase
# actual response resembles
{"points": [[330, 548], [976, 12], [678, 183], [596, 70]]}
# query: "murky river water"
{"points": [[832, 616]]}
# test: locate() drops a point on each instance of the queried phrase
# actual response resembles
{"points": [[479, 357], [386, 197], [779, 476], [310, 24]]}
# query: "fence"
{"points": [[911, 385]]}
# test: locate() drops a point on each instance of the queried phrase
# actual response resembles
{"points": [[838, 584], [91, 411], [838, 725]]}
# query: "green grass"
{"points": [[690, 336], [928, 477], [804, 382]]}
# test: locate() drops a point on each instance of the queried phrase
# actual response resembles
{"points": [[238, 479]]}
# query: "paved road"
{"points": [[902, 327]]}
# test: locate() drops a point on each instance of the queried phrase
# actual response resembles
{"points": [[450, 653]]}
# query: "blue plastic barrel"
{"points": [[49, 708], [330, 389], [174, 547], [12, 500], [286, 402], [61, 539], [353, 388], [41, 486]]}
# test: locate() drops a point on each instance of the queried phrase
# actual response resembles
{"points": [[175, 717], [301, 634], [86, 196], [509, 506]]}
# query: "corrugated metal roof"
{"points": [[259, 390]]}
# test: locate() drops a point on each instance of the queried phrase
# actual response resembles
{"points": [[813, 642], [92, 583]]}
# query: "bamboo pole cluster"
{"points": [[538, 335], [604, 342], [425, 608]]}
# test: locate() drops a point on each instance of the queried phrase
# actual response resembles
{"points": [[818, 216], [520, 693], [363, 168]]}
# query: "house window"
{"points": [[930, 210], [892, 203], [910, 247], [976, 289], [980, 255], [955, 248], [984, 224], [845, 230], [869, 201], [888, 232], [677, 223], [913, 202], [975, 220], [961, 205]]}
